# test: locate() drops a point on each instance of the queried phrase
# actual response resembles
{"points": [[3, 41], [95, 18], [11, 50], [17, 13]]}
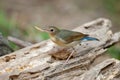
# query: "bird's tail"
{"points": [[87, 38]]}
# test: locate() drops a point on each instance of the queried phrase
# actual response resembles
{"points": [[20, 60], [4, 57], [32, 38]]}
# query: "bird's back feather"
{"points": [[70, 36]]}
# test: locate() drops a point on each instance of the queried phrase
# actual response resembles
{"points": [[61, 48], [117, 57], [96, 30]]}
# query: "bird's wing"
{"points": [[70, 36]]}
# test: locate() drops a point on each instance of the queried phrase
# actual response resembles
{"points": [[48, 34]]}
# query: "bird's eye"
{"points": [[52, 30]]}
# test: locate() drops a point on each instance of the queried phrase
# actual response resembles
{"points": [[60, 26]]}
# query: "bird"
{"points": [[65, 38]]}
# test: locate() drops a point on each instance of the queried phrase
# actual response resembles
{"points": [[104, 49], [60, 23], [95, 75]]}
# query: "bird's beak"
{"points": [[40, 29]]}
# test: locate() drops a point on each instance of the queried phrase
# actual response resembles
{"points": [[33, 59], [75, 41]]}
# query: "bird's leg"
{"points": [[70, 55]]}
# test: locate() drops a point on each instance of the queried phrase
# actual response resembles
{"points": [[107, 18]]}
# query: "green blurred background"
{"points": [[17, 17]]}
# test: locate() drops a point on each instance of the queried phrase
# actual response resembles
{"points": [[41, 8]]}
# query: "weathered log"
{"points": [[89, 62]]}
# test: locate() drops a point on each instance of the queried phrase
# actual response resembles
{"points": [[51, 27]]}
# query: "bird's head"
{"points": [[50, 29]]}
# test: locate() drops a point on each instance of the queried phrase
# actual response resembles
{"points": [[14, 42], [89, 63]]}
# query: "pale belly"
{"points": [[63, 43]]}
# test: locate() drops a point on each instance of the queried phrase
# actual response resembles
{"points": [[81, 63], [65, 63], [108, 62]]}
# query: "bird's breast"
{"points": [[58, 41]]}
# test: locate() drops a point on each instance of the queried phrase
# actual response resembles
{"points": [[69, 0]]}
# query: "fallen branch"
{"points": [[19, 42]]}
